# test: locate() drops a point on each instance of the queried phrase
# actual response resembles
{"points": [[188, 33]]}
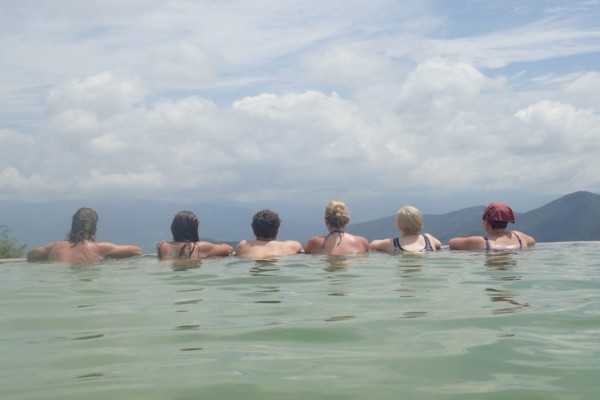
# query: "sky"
{"points": [[290, 104]]}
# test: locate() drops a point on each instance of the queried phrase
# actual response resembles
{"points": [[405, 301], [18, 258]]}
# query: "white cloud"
{"points": [[540, 40], [584, 90], [98, 181], [103, 94], [437, 85], [14, 185], [310, 100], [558, 127]]}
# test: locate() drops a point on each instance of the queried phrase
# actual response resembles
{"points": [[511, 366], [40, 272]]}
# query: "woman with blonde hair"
{"points": [[410, 223], [337, 241]]}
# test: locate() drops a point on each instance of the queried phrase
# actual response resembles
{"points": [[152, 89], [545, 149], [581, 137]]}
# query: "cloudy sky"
{"points": [[442, 104]]}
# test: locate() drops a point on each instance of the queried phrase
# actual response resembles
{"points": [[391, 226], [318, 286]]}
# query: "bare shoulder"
{"points": [[467, 243], [293, 244], [107, 249], [527, 238], [313, 244], [362, 241], [214, 249], [241, 245], [434, 241]]}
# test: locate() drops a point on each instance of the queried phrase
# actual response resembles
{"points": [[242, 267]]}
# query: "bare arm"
{"points": [[216, 250], [380, 245], [241, 247], [118, 251], [365, 243], [313, 245], [40, 253], [468, 243]]}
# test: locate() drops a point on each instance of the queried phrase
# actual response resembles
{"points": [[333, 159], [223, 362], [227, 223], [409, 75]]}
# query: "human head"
{"points": [[83, 226], [337, 214], [185, 227], [498, 215], [409, 220], [265, 224]]}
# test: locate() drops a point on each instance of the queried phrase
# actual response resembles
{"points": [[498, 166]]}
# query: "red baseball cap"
{"points": [[499, 212]]}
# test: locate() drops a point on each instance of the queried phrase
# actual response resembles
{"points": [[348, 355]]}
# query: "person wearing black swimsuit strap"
{"points": [[337, 241]]}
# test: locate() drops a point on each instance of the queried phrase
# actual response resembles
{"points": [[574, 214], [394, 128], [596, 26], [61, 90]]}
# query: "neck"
{"points": [[409, 234], [262, 239], [495, 232]]}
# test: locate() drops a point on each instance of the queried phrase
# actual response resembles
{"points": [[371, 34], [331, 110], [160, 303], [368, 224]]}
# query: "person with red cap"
{"points": [[495, 219]]}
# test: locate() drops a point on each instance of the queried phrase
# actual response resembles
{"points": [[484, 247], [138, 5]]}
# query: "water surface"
{"points": [[450, 325]]}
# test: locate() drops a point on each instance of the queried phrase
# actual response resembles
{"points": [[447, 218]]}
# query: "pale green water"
{"points": [[453, 325]]}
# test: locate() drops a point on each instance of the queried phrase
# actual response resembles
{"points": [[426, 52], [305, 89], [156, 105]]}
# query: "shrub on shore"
{"points": [[9, 248]]}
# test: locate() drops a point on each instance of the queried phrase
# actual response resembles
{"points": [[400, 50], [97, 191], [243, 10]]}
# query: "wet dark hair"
{"points": [[83, 226], [185, 227], [265, 224], [495, 224]]}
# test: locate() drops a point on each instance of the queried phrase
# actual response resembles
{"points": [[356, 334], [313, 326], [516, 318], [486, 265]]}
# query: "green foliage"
{"points": [[8, 246]]}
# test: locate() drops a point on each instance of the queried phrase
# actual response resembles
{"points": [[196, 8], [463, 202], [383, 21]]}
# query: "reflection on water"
{"points": [[497, 295], [502, 262], [340, 318], [184, 265], [415, 314], [264, 268], [410, 265], [336, 263], [442, 326]]}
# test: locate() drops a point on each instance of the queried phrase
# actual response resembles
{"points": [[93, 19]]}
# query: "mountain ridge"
{"points": [[572, 217]]}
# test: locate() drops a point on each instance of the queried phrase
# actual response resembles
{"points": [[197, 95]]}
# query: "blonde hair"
{"points": [[409, 219], [337, 214]]}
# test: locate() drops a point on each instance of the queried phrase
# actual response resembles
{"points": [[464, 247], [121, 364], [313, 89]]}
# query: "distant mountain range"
{"points": [[574, 217]]}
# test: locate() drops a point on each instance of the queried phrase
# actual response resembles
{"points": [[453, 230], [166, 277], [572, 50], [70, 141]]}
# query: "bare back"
{"points": [[413, 243], [494, 241], [262, 249], [82, 252], [191, 250], [337, 243]]}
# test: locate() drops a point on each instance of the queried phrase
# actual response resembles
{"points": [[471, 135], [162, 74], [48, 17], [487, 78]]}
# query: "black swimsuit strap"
{"points": [[397, 246], [428, 246], [186, 245], [341, 233], [520, 242]]}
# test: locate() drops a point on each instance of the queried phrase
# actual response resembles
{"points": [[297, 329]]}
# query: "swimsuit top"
{"points": [[398, 247], [191, 245], [487, 242]]}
